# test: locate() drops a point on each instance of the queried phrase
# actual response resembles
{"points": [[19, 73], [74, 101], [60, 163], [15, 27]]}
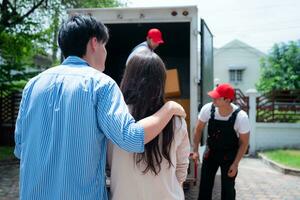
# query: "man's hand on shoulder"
{"points": [[176, 108]]}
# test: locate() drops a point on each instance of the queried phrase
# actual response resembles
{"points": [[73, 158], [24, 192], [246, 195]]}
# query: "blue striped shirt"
{"points": [[66, 115]]}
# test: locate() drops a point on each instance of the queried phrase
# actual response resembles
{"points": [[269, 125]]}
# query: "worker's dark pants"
{"points": [[208, 172]]}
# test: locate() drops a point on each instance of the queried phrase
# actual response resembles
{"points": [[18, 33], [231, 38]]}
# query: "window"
{"points": [[236, 75]]}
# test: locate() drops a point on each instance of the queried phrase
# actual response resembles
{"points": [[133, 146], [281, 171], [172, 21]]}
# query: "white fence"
{"points": [[270, 135]]}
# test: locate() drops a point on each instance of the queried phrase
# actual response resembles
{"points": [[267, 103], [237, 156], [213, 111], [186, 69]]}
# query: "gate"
{"points": [[278, 106], [241, 100], [9, 107]]}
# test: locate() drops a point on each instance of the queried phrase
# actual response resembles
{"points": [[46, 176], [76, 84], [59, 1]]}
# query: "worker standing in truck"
{"points": [[153, 40]]}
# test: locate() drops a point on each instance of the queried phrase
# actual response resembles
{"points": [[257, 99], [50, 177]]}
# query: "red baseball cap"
{"points": [[155, 35], [224, 90]]}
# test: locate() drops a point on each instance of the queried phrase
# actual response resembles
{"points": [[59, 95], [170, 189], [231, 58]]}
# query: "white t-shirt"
{"points": [[241, 125]]}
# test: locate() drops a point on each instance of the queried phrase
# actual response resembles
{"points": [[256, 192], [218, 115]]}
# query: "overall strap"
{"points": [[212, 112], [233, 116]]}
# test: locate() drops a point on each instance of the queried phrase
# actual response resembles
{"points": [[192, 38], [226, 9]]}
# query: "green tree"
{"points": [[280, 70], [17, 51], [28, 28], [28, 12], [21, 35], [58, 13], [94, 3], [20, 12]]}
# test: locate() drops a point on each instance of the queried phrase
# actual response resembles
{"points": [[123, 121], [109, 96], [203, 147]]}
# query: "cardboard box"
{"points": [[172, 88]]}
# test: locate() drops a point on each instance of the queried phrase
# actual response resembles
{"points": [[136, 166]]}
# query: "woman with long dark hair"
{"points": [[158, 172]]}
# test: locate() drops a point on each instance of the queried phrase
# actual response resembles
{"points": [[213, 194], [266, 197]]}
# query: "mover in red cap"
{"points": [[227, 141], [224, 90], [153, 40]]}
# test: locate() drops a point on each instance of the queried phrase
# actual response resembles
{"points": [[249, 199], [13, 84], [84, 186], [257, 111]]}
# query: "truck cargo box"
{"points": [[187, 50]]}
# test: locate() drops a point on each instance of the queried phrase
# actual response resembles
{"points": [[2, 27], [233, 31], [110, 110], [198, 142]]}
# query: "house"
{"points": [[237, 63]]}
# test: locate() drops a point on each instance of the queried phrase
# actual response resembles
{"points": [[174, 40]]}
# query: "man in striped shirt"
{"points": [[68, 113]]}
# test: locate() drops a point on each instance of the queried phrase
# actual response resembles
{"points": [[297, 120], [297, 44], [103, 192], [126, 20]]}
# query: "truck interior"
{"points": [[175, 52]]}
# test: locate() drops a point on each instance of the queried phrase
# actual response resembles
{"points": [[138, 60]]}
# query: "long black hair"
{"points": [[143, 86]]}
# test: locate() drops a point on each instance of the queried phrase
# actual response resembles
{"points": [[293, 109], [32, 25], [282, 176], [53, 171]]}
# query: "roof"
{"points": [[237, 44]]}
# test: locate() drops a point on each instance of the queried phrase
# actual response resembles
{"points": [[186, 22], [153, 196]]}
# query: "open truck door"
{"points": [[205, 84], [206, 66]]}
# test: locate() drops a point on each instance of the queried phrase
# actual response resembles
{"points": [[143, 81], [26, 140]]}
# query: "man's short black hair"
{"points": [[75, 33]]}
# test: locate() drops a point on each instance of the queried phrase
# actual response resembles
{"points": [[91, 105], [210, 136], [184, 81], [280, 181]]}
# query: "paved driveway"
{"points": [[256, 181]]}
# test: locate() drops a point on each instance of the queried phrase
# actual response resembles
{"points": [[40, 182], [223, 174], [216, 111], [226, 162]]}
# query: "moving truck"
{"points": [[187, 50]]}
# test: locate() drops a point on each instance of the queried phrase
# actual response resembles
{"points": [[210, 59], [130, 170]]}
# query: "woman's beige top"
{"points": [[129, 183]]}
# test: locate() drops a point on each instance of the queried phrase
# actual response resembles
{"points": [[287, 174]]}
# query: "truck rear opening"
{"points": [[188, 47], [175, 52]]}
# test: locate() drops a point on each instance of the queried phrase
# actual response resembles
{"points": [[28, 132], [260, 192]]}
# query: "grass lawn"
{"points": [[290, 158], [6, 153]]}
